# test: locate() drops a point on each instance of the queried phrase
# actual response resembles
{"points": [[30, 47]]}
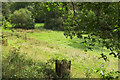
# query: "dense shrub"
{"points": [[54, 23], [53, 20], [6, 9], [22, 18], [40, 18]]}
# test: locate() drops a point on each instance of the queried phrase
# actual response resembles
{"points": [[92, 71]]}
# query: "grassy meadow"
{"points": [[31, 53]]}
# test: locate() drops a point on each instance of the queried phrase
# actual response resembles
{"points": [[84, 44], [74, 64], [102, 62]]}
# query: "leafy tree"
{"points": [[94, 19]]}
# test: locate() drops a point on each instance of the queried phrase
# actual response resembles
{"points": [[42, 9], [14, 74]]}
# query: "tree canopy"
{"points": [[94, 19]]}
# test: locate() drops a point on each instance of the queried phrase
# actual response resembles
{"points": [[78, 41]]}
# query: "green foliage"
{"points": [[94, 21], [88, 72], [18, 5], [54, 23], [38, 11], [6, 24], [6, 9], [22, 18], [107, 75], [53, 16]]}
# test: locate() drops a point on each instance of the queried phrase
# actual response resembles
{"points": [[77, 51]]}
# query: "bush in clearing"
{"points": [[22, 18]]}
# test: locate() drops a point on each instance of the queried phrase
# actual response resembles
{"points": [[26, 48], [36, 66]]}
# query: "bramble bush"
{"points": [[22, 18]]}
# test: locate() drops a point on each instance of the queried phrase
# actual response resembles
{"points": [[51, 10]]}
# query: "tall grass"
{"points": [[39, 46]]}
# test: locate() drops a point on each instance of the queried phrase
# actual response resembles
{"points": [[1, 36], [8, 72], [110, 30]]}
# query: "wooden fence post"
{"points": [[63, 68], [4, 41]]}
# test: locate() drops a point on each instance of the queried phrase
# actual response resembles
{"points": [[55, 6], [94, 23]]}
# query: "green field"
{"points": [[41, 45]]}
